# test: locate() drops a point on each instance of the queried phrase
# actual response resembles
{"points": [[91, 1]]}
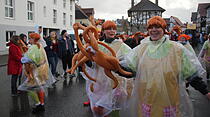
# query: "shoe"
{"points": [[64, 75], [71, 75], [14, 94], [98, 110], [86, 103], [38, 108], [57, 74], [18, 92]]}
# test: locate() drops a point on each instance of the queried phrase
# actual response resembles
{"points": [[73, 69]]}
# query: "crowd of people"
{"points": [[162, 66]]}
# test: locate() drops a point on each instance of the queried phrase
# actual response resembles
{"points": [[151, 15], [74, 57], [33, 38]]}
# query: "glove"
{"points": [[128, 70], [123, 61], [26, 60]]}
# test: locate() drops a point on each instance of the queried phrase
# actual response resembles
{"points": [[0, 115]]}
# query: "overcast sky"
{"points": [[115, 9]]}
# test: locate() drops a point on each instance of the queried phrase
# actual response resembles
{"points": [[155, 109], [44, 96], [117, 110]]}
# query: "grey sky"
{"points": [[113, 9]]}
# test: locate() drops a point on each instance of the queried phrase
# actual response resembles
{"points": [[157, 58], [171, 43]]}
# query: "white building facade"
{"points": [[25, 16]]}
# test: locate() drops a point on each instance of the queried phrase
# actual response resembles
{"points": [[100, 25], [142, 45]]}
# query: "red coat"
{"points": [[14, 66]]}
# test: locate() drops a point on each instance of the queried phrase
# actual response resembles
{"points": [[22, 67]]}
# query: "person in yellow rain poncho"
{"points": [[104, 99], [184, 40], [162, 66], [36, 72]]}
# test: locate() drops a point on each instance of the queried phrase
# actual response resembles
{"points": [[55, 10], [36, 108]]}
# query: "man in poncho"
{"points": [[162, 66]]}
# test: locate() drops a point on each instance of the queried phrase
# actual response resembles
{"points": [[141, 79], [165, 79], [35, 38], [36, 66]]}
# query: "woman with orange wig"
{"points": [[104, 99], [36, 71], [184, 40], [162, 66]]}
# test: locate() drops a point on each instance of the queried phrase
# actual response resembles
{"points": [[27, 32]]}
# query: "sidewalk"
{"points": [[3, 60]]}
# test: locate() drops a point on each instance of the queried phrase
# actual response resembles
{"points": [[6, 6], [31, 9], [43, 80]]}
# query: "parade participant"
{"points": [[205, 55], [176, 31], [104, 99], [162, 66], [36, 72], [14, 66], [184, 40]]}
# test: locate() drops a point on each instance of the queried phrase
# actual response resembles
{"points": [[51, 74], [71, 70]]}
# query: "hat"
{"points": [[157, 21], [35, 36], [187, 37]]}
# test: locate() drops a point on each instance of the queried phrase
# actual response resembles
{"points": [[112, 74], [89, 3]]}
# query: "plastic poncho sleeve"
{"points": [[124, 49], [130, 60], [191, 66], [205, 45], [192, 71]]}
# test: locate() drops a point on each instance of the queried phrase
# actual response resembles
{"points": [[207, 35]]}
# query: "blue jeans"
{"points": [[53, 61]]}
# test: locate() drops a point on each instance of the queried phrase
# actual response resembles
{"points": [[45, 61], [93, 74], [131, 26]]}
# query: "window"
{"points": [[54, 16], [64, 18], [9, 8], [208, 12], [44, 11], [9, 34], [30, 8], [71, 5], [64, 3], [71, 18], [55, 1]]}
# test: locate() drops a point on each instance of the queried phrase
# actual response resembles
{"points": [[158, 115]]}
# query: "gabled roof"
{"points": [[146, 5], [88, 11], [202, 9], [79, 13], [177, 21]]}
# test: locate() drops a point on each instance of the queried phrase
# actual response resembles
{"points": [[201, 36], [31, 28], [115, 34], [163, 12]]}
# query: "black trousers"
{"points": [[14, 83], [67, 61]]}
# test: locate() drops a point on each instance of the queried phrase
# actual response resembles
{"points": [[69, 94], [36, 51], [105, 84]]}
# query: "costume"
{"points": [[162, 66], [37, 74], [103, 94], [205, 53]]}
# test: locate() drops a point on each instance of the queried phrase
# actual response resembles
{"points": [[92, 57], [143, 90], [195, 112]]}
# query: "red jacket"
{"points": [[14, 66]]}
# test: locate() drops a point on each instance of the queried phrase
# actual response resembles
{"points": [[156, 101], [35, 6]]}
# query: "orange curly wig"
{"points": [[36, 38], [157, 21], [187, 37], [108, 25]]}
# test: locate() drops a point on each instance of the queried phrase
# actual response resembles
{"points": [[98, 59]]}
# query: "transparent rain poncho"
{"points": [[42, 77], [189, 47], [162, 68], [103, 94]]}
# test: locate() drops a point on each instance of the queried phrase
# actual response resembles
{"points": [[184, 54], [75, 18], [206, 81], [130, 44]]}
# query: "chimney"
{"points": [[132, 3], [156, 2]]}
